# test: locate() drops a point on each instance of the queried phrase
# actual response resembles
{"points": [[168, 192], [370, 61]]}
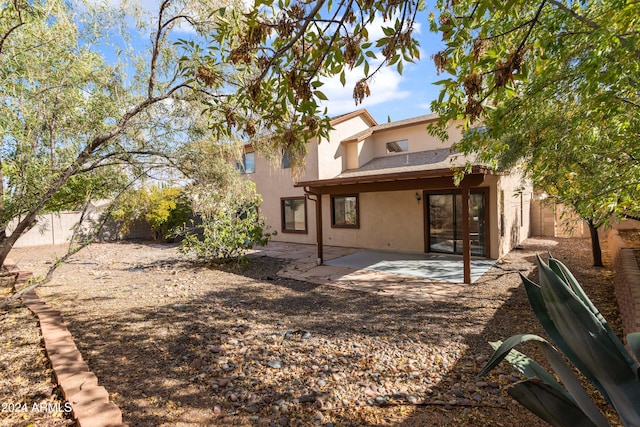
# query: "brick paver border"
{"points": [[626, 281], [89, 402]]}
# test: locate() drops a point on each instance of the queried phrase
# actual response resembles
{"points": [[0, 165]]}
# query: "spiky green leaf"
{"points": [[529, 367], [549, 404], [633, 340], [563, 273], [564, 372], [589, 340], [537, 301]]}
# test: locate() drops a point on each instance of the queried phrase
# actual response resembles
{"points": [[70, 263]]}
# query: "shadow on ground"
{"points": [[236, 354]]}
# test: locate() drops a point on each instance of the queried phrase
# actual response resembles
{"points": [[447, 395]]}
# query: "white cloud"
{"points": [[385, 87]]}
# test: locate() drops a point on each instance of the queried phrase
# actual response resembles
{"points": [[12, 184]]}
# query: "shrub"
{"points": [[227, 231], [163, 208], [580, 332]]}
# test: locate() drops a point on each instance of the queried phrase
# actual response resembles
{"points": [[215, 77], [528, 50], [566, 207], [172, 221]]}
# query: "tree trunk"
{"points": [[595, 245], [7, 242]]}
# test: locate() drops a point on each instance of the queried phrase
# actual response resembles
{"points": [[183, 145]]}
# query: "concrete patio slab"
{"points": [[421, 278], [448, 268]]}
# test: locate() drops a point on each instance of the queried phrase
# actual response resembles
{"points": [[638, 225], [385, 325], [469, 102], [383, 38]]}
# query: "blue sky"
{"points": [[393, 95]]}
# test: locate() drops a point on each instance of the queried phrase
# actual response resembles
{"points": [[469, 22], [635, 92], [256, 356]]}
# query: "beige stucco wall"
{"points": [[512, 207], [332, 155], [273, 183], [417, 136], [390, 220], [324, 160]]}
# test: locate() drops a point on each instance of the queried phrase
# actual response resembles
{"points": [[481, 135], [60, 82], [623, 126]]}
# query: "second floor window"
{"points": [[397, 146], [286, 159], [248, 164]]}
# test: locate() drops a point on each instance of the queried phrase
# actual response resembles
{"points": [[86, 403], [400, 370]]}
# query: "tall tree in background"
{"points": [[70, 118], [555, 85]]}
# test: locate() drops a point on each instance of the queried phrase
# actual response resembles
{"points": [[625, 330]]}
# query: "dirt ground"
{"points": [[181, 344]]}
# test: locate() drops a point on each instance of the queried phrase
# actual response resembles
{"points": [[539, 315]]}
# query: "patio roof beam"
{"points": [[397, 185]]}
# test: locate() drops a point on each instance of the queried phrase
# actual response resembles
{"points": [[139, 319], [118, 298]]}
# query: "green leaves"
{"points": [[229, 228], [278, 48], [557, 94], [549, 404], [580, 331]]}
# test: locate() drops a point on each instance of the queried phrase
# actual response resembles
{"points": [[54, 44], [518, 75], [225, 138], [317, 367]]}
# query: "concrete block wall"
{"points": [[57, 229], [626, 282], [555, 221]]}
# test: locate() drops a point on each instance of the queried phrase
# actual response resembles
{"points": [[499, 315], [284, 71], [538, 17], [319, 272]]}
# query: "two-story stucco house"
{"points": [[391, 187]]}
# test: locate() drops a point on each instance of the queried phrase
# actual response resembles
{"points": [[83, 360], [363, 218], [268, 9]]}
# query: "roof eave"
{"points": [[362, 112], [397, 176]]}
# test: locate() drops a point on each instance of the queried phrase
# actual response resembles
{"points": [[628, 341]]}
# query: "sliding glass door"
{"points": [[444, 223]]}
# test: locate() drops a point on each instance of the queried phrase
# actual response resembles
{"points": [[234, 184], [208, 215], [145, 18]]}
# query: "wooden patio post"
{"points": [[318, 202], [466, 233]]}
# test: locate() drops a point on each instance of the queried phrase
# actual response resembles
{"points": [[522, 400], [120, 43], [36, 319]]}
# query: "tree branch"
{"points": [[14, 28]]}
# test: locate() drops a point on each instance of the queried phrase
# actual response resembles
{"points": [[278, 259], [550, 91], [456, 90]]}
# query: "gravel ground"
{"points": [[180, 344]]}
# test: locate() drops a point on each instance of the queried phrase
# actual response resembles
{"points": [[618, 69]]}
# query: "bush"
{"points": [[227, 232], [163, 208], [580, 332]]}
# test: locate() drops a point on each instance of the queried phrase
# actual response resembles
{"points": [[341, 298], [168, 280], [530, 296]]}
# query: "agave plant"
{"points": [[580, 332]]}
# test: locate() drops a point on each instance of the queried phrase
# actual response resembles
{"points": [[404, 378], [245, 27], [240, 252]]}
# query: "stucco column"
{"points": [[466, 233]]}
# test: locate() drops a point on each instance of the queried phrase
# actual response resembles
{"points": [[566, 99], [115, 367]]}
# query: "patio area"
{"points": [[411, 276]]}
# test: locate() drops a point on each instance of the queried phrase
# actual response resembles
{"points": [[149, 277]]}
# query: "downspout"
{"points": [[318, 202]]}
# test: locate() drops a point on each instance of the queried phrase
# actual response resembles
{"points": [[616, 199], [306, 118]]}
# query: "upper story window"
{"points": [[286, 159], [397, 146], [248, 164]]}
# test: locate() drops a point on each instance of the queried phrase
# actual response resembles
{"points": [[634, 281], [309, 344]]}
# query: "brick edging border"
{"points": [[89, 402]]}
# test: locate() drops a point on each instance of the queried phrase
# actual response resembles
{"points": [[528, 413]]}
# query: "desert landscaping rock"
{"points": [[181, 344]]}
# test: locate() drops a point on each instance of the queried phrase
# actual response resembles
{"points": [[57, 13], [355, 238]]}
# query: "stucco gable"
{"points": [[364, 114]]}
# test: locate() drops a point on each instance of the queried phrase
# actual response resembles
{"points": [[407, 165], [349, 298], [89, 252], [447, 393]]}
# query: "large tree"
{"points": [[80, 98], [285, 51], [554, 83]]}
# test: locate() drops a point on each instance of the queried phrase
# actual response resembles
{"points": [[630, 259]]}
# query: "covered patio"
{"points": [[416, 277], [402, 179], [432, 266]]}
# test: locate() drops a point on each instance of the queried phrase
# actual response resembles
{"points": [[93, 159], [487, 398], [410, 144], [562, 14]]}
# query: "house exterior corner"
{"points": [[391, 187]]}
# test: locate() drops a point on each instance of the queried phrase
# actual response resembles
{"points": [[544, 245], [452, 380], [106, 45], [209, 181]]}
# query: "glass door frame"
{"points": [[427, 220]]}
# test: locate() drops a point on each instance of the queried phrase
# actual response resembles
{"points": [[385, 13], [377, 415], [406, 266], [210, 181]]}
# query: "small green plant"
{"points": [[163, 208], [227, 233], [580, 332]]}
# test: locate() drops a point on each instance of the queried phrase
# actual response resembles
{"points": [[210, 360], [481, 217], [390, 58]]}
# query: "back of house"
{"points": [[391, 187]]}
